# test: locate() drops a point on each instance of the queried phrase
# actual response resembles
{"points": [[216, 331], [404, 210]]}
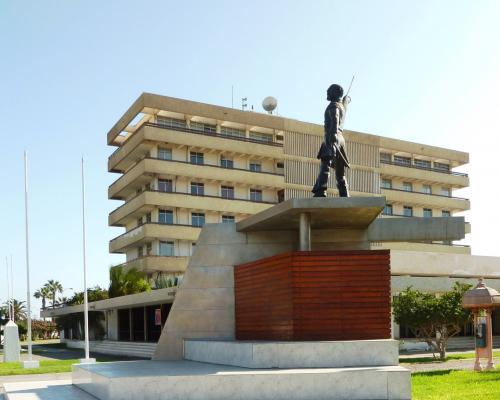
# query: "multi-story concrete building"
{"points": [[183, 164]]}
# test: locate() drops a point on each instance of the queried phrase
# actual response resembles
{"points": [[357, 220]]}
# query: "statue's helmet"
{"points": [[334, 92]]}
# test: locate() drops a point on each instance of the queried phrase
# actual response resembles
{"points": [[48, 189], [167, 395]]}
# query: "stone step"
{"points": [[132, 349], [189, 380], [317, 354]]}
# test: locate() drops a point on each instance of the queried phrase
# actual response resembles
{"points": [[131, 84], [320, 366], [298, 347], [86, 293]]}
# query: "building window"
{"points": [[427, 189], [140, 251], [280, 166], [446, 192], [261, 137], [422, 164], [226, 162], [226, 131], [408, 211], [170, 122], [385, 157], [196, 158], [200, 126], [139, 221], [149, 248], [165, 217], [197, 219], [228, 219], [445, 213], [407, 187], [197, 189], [386, 184], [227, 192], [165, 185], [166, 248], [400, 160], [279, 138], [255, 167], [442, 166], [164, 153], [148, 218], [255, 195], [387, 209], [427, 212], [193, 247]]}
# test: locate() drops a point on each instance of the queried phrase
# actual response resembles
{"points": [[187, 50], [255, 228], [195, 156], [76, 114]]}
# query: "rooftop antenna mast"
{"points": [[244, 103]]}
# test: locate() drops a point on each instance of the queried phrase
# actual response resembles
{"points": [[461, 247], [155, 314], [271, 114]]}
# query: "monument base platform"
{"points": [[189, 380], [272, 354]]}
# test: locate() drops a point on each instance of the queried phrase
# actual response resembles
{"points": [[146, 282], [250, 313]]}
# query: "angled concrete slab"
{"points": [[325, 213]]}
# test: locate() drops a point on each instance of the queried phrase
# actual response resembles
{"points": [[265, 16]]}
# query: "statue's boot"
{"points": [[320, 187], [342, 187]]}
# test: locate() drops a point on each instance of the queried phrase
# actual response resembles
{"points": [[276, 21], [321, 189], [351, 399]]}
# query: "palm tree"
{"points": [[54, 287], [42, 293], [19, 309], [124, 283]]}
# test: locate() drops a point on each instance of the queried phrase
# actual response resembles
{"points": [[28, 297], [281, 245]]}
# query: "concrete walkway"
{"points": [[465, 364], [44, 390]]}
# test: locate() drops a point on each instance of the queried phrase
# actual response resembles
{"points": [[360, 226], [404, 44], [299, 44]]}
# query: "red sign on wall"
{"points": [[158, 316]]}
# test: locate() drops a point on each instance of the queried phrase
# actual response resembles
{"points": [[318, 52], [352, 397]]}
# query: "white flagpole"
{"points": [[9, 303], [85, 296], [30, 363], [12, 288]]}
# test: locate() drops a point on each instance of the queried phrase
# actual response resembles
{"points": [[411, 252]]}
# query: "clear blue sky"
{"points": [[426, 71]]}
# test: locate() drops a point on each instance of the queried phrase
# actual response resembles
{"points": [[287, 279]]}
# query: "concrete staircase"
{"points": [[116, 348], [232, 370]]}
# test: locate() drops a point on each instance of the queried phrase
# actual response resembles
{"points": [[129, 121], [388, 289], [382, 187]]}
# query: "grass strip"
{"points": [[456, 385]]}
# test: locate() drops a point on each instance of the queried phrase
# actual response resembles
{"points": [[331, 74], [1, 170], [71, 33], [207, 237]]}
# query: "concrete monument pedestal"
{"points": [[203, 324], [12, 347]]}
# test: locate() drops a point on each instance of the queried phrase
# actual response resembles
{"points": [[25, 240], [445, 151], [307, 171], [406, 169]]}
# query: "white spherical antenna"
{"points": [[269, 104]]}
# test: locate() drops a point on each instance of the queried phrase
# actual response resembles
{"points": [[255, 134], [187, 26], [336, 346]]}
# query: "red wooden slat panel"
{"points": [[320, 295]]}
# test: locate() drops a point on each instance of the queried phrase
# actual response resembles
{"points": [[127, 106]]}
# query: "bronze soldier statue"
{"points": [[332, 152]]}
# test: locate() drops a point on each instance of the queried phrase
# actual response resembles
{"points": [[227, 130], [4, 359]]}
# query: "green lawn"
{"points": [[46, 367], [456, 356], [456, 385]]}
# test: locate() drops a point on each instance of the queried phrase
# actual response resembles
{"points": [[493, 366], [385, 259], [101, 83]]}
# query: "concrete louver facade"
{"points": [[184, 163]]}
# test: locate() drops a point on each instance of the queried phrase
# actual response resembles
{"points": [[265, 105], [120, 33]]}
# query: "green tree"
{"points": [[42, 293], [19, 309], [433, 319], [54, 287], [123, 283], [95, 293]]}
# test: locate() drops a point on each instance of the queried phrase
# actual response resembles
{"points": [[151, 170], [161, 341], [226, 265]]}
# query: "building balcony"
{"points": [[149, 200], [147, 168], [151, 231], [424, 199], [149, 134], [431, 175], [150, 264]]}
